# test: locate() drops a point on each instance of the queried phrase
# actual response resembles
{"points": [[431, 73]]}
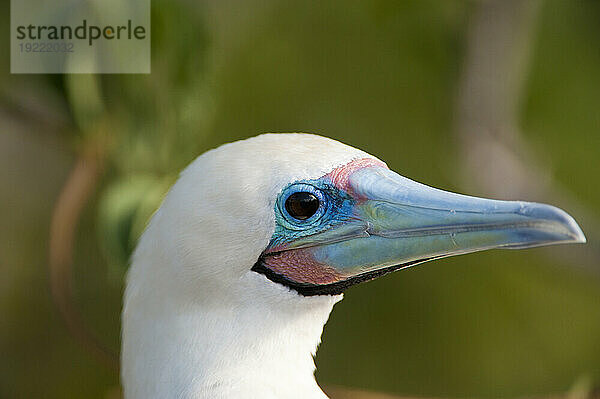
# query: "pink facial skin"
{"points": [[339, 176], [299, 265]]}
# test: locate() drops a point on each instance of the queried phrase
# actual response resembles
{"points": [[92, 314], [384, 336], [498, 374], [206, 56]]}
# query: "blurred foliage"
{"points": [[379, 75], [155, 125]]}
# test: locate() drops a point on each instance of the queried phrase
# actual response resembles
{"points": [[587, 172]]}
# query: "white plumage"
{"points": [[197, 322]]}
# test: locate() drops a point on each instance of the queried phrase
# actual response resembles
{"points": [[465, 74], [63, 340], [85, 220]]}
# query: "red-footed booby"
{"points": [[238, 270]]}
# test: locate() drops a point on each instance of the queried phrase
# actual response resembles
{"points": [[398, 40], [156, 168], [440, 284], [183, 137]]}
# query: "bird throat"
{"points": [[260, 346]]}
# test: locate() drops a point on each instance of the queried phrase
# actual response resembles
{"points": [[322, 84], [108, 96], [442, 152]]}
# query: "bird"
{"points": [[237, 271]]}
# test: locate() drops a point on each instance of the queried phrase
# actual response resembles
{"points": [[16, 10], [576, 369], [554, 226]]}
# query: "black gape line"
{"points": [[307, 289]]}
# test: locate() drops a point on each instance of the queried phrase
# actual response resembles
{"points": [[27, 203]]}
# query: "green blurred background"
{"points": [[497, 98]]}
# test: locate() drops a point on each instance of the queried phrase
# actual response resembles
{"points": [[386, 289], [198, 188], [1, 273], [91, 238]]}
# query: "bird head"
{"points": [[315, 216]]}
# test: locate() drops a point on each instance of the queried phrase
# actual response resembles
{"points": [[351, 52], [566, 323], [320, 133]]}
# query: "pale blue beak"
{"points": [[388, 222], [398, 222]]}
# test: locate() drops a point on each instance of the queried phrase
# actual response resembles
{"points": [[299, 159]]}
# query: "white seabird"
{"points": [[238, 270]]}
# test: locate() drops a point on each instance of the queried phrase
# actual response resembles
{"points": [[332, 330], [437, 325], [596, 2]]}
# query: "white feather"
{"points": [[197, 322]]}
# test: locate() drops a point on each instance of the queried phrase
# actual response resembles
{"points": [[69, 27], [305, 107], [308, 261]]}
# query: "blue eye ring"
{"points": [[300, 224]]}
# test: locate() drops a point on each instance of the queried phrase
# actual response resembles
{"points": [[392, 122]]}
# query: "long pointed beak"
{"points": [[408, 223], [396, 222]]}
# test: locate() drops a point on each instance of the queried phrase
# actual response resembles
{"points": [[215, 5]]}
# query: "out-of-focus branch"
{"points": [[78, 188], [495, 156], [584, 388], [336, 392], [347, 393]]}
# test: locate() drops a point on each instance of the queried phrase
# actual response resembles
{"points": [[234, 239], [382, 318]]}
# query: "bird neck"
{"points": [[222, 348]]}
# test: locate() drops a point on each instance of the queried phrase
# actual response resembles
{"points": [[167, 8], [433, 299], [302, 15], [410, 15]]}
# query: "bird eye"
{"points": [[302, 205]]}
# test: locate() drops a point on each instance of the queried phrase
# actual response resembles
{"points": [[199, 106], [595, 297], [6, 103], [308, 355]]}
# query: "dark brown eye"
{"points": [[302, 205]]}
